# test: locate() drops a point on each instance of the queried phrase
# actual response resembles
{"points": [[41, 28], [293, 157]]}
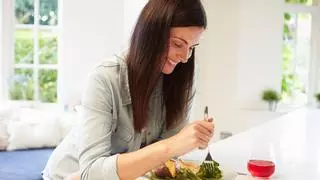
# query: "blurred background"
{"points": [[49, 46], [258, 60]]}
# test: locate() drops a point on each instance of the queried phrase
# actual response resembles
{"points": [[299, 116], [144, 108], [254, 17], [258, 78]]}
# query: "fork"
{"points": [[209, 158], [206, 116]]}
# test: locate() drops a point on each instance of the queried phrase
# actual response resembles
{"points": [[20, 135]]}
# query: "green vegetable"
{"points": [[208, 171]]}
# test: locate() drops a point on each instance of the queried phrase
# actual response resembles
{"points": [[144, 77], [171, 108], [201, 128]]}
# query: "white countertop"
{"points": [[292, 141]]}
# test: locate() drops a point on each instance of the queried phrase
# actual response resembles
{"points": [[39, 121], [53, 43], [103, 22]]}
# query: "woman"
{"points": [[135, 107]]}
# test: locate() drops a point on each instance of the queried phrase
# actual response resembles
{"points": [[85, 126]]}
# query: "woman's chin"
{"points": [[167, 70]]}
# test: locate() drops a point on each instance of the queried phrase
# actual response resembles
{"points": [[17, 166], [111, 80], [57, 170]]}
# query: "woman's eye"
{"points": [[178, 45]]}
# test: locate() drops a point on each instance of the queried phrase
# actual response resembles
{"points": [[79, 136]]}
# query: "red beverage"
{"points": [[261, 168]]}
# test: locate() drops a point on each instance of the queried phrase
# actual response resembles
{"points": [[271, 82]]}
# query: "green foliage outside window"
{"points": [[290, 82], [22, 82], [24, 10], [302, 2]]}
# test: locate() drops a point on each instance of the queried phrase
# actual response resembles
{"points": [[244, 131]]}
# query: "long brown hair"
{"points": [[149, 43]]}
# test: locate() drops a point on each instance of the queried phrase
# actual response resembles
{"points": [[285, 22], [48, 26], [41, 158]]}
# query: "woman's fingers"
{"points": [[204, 130]]}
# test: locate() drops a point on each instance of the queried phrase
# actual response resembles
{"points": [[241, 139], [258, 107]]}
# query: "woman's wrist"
{"points": [[168, 147]]}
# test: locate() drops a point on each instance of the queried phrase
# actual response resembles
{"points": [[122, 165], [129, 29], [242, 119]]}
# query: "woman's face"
{"points": [[182, 41]]}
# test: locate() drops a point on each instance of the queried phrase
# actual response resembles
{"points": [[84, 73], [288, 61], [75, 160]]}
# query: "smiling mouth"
{"points": [[172, 62]]}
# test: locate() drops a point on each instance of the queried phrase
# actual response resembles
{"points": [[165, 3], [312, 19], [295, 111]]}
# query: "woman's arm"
{"points": [[168, 147], [96, 127], [132, 165], [95, 158], [135, 164]]}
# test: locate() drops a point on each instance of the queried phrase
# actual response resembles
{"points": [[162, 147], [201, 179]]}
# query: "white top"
{"points": [[291, 141]]}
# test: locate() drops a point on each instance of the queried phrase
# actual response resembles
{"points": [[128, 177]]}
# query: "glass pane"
{"points": [[24, 11], [48, 85], [21, 85], [48, 12], [47, 47], [296, 58], [23, 46], [302, 2]]}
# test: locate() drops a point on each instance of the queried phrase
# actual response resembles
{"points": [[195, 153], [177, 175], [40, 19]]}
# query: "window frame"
{"points": [[7, 45], [1, 53], [314, 64], [8, 61]]}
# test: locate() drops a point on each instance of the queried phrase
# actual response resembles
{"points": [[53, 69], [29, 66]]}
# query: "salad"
{"points": [[187, 170]]}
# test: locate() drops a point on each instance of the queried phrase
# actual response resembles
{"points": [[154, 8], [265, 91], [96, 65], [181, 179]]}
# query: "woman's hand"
{"points": [[74, 176], [195, 135]]}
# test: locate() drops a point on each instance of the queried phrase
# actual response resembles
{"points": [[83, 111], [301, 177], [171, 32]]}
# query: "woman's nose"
{"points": [[184, 56]]}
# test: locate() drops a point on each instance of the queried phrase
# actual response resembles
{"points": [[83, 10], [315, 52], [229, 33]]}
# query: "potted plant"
{"points": [[318, 99], [272, 97]]}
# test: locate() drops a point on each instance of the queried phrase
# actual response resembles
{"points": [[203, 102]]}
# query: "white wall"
{"points": [[217, 59], [132, 10], [240, 55], [315, 63], [90, 32], [259, 50]]}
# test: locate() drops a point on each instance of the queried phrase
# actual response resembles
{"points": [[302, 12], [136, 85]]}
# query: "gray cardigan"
{"points": [[106, 129]]}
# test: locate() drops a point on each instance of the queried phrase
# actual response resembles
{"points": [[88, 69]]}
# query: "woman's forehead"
{"points": [[189, 34]]}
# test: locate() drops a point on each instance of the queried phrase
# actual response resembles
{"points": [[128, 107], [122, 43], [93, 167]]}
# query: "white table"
{"points": [[293, 141]]}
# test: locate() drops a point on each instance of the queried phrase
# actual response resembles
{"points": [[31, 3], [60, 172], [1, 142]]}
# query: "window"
{"points": [[298, 40], [34, 74], [300, 2]]}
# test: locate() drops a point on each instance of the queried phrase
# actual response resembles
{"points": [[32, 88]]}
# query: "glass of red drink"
{"points": [[261, 168], [261, 162]]}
